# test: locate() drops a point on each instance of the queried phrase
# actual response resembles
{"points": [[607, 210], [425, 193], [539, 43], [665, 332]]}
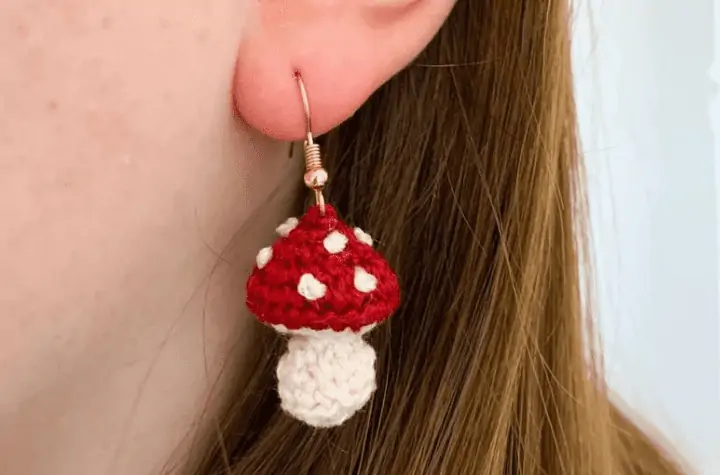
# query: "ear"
{"points": [[343, 49]]}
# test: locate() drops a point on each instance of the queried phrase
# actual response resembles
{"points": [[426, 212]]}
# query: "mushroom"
{"points": [[324, 285]]}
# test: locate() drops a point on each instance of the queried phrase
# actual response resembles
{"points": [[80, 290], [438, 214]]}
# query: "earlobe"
{"points": [[342, 55]]}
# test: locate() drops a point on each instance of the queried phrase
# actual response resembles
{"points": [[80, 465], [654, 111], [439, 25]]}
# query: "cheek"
{"points": [[115, 121]]}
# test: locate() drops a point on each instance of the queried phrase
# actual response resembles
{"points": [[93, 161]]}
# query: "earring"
{"points": [[322, 284]]}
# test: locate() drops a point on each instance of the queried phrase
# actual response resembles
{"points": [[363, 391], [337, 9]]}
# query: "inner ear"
{"points": [[342, 55]]}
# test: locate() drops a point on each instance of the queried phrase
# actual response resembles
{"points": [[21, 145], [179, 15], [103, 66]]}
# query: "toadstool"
{"points": [[324, 285]]}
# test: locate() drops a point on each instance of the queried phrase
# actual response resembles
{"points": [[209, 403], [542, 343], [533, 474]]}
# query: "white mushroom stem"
{"points": [[324, 379]]}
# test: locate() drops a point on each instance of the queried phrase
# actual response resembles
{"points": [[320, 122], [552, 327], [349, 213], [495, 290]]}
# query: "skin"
{"points": [[143, 161]]}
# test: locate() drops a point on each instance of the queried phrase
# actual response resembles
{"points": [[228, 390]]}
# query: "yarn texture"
{"points": [[320, 275], [324, 380], [324, 285]]}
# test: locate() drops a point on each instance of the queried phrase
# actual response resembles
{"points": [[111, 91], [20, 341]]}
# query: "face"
{"points": [[124, 173]]}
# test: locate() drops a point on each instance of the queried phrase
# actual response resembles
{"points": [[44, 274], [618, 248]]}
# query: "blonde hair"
{"points": [[466, 168]]}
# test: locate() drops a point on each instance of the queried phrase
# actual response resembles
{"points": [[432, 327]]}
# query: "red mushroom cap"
{"points": [[322, 276]]}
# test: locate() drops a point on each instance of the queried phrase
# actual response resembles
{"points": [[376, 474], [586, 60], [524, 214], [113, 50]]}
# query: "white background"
{"points": [[647, 84]]}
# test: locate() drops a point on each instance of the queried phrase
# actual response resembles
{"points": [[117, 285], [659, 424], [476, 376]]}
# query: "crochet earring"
{"points": [[323, 285]]}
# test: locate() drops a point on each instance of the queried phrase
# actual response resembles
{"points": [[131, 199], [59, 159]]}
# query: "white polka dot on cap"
{"points": [[311, 288], [285, 228], [362, 236], [263, 257], [364, 281], [335, 242]]}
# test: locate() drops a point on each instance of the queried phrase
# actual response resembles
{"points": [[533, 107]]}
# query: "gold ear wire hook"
{"points": [[306, 108], [315, 175]]}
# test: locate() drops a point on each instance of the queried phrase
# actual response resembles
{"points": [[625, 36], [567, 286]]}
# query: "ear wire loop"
{"points": [[315, 175]]}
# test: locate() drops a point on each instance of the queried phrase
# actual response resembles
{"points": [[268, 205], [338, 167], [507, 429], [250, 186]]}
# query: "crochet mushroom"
{"points": [[324, 285]]}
